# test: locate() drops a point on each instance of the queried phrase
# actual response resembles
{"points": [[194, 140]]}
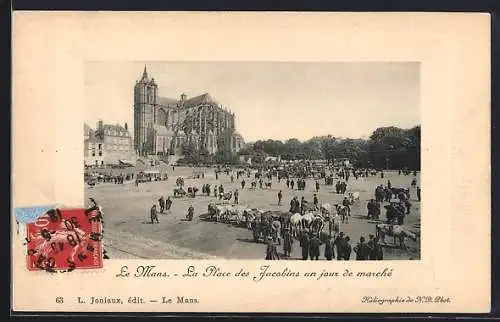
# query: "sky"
{"points": [[271, 100]]}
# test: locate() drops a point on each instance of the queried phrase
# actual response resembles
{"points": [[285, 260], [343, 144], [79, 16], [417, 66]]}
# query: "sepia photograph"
{"points": [[254, 160]]}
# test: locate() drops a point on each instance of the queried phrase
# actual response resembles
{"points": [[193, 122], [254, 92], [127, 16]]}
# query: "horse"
{"points": [[397, 231], [295, 222], [307, 219], [179, 192], [227, 195], [352, 197], [317, 225]]}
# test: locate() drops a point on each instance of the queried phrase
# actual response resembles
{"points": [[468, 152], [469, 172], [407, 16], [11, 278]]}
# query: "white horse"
{"points": [[397, 231], [295, 222]]}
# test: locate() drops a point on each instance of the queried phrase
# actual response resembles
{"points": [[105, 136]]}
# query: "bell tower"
{"points": [[145, 98]]}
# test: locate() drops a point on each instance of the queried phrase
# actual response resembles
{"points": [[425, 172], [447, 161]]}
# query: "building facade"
{"points": [[165, 126], [107, 144]]}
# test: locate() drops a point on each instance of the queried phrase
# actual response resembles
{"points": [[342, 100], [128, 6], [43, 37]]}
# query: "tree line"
{"points": [[387, 148]]}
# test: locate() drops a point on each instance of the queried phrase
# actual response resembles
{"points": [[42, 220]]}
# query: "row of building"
{"points": [[163, 127]]}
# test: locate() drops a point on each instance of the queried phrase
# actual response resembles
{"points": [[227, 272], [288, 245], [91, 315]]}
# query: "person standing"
{"points": [[314, 244], [347, 204], [292, 183], [287, 242], [154, 215], [329, 246], [215, 191], [292, 205], [280, 196], [347, 249], [168, 204], [161, 201], [302, 205], [288, 183], [377, 252], [271, 251], [315, 201], [232, 178], [190, 213], [243, 184], [389, 185], [216, 176], [370, 208], [370, 245], [418, 193], [362, 250], [339, 244], [304, 243], [317, 186], [236, 196]]}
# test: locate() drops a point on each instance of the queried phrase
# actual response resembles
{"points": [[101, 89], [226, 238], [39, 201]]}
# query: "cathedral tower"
{"points": [[145, 100]]}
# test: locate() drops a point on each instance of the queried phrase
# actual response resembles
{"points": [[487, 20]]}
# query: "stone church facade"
{"points": [[164, 126]]}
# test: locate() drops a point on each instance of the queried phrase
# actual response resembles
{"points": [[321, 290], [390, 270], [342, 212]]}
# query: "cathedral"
{"points": [[166, 126]]}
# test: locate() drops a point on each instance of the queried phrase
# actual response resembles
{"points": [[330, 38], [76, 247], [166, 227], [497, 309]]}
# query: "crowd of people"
{"points": [[313, 246], [335, 247]]}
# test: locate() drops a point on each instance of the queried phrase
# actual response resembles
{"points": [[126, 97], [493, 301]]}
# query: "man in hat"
{"points": [[376, 253], [347, 204], [370, 207], [317, 186], [370, 244], [168, 204], [314, 244], [329, 248], [339, 243], [304, 243], [236, 196], [362, 250], [161, 201], [280, 196], [287, 241], [346, 251], [154, 215], [271, 251], [303, 203], [190, 213]]}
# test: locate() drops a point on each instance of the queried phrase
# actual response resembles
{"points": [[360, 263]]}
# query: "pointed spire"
{"points": [[145, 78]]}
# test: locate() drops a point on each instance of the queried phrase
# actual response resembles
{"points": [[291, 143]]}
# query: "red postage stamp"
{"points": [[64, 240]]}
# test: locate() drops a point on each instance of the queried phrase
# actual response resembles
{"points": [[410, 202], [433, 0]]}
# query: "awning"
{"points": [[151, 172]]}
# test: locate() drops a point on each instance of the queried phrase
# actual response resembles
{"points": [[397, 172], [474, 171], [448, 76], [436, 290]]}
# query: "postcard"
{"points": [[251, 162]]}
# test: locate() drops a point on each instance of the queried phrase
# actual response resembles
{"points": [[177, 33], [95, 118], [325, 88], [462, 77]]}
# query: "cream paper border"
{"points": [[49, 52]]}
